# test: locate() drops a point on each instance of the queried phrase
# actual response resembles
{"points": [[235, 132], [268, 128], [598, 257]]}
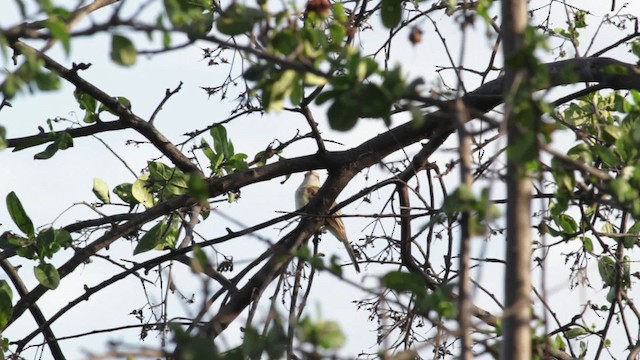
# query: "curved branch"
{"points": [[437, 126]]}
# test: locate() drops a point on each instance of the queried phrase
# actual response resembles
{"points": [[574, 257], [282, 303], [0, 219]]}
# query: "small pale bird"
{"points": [[307, 190]]}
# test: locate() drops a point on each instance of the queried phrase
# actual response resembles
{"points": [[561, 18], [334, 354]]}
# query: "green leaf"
{"points": [[607, 155], [6, 307], [280, 89], [47, 81], [607, 270], [342, 116], [101, 190], [124, 102], [635, 48], [257, 72], [237, 162], [611, 133], [166, 39], [199, 261], [326, 96], [63, 237], [160, 172], [141, 191], [216, 161], [338, 33], [47, 275], [175, 187], [364, 67], [567, 223], [324, 334], [575, 332], [11, 86], [220, 143], [252, 344], [9, 240], [90, 117], [338, 13], [18, 215], [86, 101], [238, 19], [611, 294], [48, 152], [46, 243], [285, 42], [558, 343], [151, 239], [63, 140], [439, 301], [123, 52], [124, 192], [297, 92], [622, 191], [198, 187], [58, 30], [372, 100], [588, 244], [194, 16], [170, 237], [275, 340], [630, 241], [581, 151], [314, 80], [391, 11], [607, 228], [3, 138], [404, 282]]}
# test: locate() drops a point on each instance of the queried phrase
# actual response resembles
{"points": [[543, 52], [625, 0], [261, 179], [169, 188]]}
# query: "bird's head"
{"points": [[311, 178]]}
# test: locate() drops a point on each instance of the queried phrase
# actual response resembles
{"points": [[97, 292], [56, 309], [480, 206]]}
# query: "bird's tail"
{"points": [[352, 254]]}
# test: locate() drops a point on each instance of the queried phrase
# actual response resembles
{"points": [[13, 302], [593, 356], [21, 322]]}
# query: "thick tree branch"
{"points": [[438, 126]]}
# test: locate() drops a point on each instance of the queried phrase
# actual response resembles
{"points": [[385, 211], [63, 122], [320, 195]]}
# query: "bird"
{"points": [[305, 192]]}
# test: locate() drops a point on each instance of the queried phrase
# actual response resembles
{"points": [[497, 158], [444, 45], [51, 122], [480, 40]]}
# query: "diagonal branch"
{"points": [[38, 316], [127, 117], [437, 127]]}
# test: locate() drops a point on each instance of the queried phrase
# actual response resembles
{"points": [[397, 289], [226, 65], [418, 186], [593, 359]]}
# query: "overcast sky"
{"points": [[53, 191]]}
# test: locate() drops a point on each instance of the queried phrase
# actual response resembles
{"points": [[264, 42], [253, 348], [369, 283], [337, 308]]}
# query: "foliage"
{"points": [[335, 68]]}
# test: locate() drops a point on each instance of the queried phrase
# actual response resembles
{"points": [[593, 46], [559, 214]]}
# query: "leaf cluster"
{"points": [[34, 245]]}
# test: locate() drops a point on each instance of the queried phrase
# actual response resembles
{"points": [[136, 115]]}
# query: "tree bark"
{"points": [[517, 317]]}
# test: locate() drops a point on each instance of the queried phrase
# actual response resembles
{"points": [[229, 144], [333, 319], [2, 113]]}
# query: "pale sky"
{"points": [[49, 188]]}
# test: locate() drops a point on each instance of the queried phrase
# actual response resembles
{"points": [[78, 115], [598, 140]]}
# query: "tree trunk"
{"points": [[517, 316]]}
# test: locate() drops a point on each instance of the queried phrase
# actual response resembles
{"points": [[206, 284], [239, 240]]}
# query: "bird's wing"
{"points": [[335, 225], [308, 192]]}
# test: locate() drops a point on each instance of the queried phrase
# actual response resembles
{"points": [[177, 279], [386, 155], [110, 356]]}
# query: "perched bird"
{"points": [[307, 190]]}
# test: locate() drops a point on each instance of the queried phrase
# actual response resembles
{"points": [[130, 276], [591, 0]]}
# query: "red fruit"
{"points": [[320, 7], [415, 36]]}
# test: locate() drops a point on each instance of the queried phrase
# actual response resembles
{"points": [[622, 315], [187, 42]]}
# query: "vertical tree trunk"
{"points": [[517, 316], [464, 301]]}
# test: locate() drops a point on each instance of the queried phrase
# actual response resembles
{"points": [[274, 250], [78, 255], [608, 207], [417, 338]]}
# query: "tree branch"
{"points": [[127, 117], [437, 126]]}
